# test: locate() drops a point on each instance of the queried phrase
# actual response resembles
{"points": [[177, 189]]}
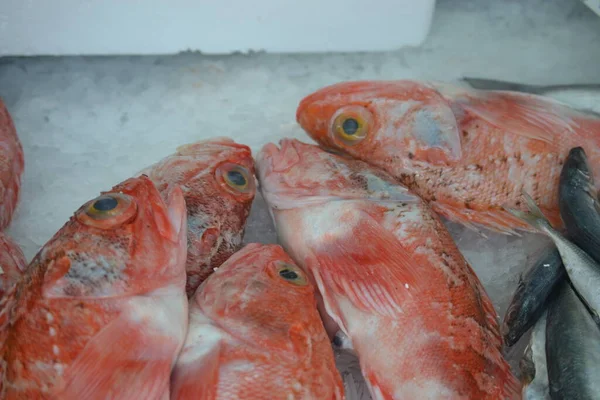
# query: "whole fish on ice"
{"points": [[578, 200], [533, 364], [572, 348], [467, 152], [580, 211], [583, 270], [101, 311], [390, 275], [255, 333], [12, 163], [582, 96], [218, 183]]}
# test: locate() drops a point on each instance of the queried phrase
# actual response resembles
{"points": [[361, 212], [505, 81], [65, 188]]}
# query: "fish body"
{"points": [[579, 208], [101, 310], [390, 276], [467, 152], [255, 333], [572, 348], [218, 183], [12, 164], [12, 266], [533, 291], [582, 270], [533, 364]]}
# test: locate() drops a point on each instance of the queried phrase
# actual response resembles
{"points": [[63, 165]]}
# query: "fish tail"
{"points": [[534, 216]]}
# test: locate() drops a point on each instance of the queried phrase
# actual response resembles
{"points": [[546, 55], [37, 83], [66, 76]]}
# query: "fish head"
{"points": [[383, 122], [214, 167], [127, 240], [296, 174], [577, 170], [260, 295], [218, 182]]}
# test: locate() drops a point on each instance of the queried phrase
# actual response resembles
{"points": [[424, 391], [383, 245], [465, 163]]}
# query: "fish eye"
{"points": [[351, 124], [108, 210], [105, 204], [235, 178], [290, 273]]}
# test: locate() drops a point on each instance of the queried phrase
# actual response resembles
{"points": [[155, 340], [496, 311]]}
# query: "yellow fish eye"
{"points": [[351, 125], [291, 273], [108, 210], [235, 178]]}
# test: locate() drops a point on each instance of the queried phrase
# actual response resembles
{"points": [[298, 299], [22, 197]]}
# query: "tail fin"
{"points": [[534, 216]]}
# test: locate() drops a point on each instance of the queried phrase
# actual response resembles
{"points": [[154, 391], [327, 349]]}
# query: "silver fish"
{"points": [[583, 271], [579, 208], [355, 386], [533, 364], [572, 348]]}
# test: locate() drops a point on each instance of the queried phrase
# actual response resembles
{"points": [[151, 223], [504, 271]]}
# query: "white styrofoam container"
{"points": [[594, 5], [98, 27]]}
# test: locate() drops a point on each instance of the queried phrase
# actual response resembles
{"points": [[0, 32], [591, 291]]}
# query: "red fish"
{"points": [[217, 178], [390, 276], [469, 153], [12, 164], [101, 311], [12, 265], [255, 333]]}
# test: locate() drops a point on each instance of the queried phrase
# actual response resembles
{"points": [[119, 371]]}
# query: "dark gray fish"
{"points": [[572, 348], [582, 96], [534, 373], [583, 270], [533, 290], [578, 203], [492, 84]]}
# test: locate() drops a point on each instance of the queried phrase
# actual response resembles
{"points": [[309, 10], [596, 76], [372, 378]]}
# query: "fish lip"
{"points": [[290, 197], [270, 159], [177, 214]]}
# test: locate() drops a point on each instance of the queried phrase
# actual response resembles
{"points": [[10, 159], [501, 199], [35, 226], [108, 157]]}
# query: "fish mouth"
{"points": [[177, 214], [273, 162]]}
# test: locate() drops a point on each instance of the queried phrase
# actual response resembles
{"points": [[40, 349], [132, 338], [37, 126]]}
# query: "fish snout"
{"points": [[277, 159], [313, 116]]}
